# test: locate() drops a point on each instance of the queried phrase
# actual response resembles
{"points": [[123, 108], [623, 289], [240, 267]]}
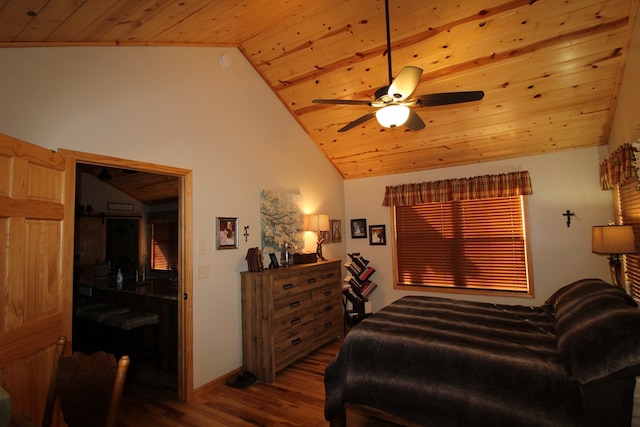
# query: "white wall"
{"points": [[560, 254], [177, 107]]}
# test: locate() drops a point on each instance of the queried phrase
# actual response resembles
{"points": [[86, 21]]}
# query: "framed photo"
{"points": [[336, 231], [326, 235], [359, 228], [377, 235], [227, 233], [120, 207]]}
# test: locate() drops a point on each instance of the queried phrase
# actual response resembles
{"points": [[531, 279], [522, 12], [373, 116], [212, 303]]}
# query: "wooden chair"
{"points": [[87, 387]]}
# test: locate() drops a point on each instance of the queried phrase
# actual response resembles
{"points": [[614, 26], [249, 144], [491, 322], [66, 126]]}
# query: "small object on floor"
{"points": [[243, 380]]}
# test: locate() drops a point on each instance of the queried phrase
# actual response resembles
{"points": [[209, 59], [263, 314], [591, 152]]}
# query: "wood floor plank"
{"points": [[294, 399]]}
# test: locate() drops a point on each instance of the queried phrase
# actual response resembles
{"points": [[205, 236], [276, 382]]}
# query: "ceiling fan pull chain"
{"points": [[386, 6]]}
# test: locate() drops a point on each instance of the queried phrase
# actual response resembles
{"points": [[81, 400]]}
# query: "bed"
{"points": [[443, 362]]}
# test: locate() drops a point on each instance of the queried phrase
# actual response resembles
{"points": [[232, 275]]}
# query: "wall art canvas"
{"points": [[281, 221]]}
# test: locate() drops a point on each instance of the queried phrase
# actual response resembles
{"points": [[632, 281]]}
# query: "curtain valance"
{"points": [[618, 167], [479, 187]]}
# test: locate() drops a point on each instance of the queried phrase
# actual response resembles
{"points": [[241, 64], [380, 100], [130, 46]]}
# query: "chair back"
{"points": [[87, 387]]}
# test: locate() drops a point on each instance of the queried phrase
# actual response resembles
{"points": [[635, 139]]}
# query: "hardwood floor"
{"points": [[296, 398]]}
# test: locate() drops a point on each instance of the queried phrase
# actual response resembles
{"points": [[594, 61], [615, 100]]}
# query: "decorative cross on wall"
{"points": [[246, 232], [568, 214]]}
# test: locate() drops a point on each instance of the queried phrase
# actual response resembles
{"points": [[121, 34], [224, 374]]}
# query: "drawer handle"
{"points": [[295, 304], [328, 308], [328, 293], [328, 325], [288, 286], [295, 321], [312, 280], [296, 341], [331, 275]]}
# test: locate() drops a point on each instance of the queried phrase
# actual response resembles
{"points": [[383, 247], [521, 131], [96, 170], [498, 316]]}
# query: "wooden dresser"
{"points": [[288, 312]]}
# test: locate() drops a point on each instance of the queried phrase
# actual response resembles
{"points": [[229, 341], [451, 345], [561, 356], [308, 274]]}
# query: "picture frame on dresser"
{"points": [[359, 228], [226, 232]]}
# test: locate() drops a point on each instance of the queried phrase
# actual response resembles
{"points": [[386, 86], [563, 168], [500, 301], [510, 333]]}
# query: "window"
{"points": [[628, 205], [474, 246], [164, 240]]}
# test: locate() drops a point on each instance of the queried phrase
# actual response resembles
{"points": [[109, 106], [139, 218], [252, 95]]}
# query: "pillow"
{"points": [[598, 331], [568, 295]]}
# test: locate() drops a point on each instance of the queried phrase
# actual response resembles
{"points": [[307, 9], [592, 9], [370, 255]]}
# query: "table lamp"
{"points": [[613, 240]]}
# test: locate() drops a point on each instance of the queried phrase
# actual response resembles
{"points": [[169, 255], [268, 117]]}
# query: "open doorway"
{"points": [[121, 225]]}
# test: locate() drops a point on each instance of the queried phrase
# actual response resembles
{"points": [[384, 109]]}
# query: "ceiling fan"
{"points": [[393, 103]]}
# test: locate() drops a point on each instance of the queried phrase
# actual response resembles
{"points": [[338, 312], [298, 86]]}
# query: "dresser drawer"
{"points": [[327, 294], [330, 275], [286, 285], [292, 303], [293, 345], [325, 315], [327, 327], [289, 323]]}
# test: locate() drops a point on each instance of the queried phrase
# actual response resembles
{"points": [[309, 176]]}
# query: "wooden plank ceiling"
{"points": [[550, 69]]}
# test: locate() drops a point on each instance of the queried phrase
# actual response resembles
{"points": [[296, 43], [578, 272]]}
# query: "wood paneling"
{"points": [[551, 69]]}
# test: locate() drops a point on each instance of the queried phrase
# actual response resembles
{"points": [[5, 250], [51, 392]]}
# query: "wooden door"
{"points": [[90, 240], [36, 251]]}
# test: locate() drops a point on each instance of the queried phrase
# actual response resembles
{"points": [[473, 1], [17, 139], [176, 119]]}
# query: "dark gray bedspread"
{"points": [[442, 362]]}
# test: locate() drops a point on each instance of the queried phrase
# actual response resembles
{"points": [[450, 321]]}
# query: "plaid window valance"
{"points": [[618, 167], [479, 187]]}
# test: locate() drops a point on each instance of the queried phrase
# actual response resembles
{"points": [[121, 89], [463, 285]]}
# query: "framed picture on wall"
{"points": [[336, 231], [359, 228], [377, 235], [227, 233]]}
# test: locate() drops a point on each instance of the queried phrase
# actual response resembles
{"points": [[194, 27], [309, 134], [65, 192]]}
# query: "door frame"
{"points": [[185, 252]]}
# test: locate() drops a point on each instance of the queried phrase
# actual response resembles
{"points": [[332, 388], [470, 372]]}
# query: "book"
{"points": [[358, 295], [355, 298], [359, 260], [366, 273], [367, 288], [352, 268], [353, 282]]}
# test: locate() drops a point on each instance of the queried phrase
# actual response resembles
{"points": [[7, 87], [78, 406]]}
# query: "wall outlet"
{"points": [[203, 272]]}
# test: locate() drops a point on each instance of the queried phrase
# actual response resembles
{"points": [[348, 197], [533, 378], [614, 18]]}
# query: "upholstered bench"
{"points": [[129, 322], [98, 312], [88, 323]]}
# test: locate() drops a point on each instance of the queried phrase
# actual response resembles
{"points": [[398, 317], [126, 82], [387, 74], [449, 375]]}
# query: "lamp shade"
{"points": [[316, 222], [613, 239], [392, 115]]}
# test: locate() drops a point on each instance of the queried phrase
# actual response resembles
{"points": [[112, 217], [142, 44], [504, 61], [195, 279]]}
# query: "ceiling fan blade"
{"points": [[357, 122], [447, 98], [414, 122], [342, 101], [405, 83]]}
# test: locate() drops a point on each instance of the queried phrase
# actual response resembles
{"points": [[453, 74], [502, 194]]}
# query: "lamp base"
{"points": [[319, 249], [616, 271]]}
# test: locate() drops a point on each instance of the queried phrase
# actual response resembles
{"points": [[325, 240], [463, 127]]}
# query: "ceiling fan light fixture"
{"points": [[392, 115]]}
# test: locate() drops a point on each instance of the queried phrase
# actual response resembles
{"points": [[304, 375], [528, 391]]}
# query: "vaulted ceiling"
{"points": [[551, 69]]}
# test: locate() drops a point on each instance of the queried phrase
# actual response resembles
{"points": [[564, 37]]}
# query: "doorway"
{"points": [[179, 275]]}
